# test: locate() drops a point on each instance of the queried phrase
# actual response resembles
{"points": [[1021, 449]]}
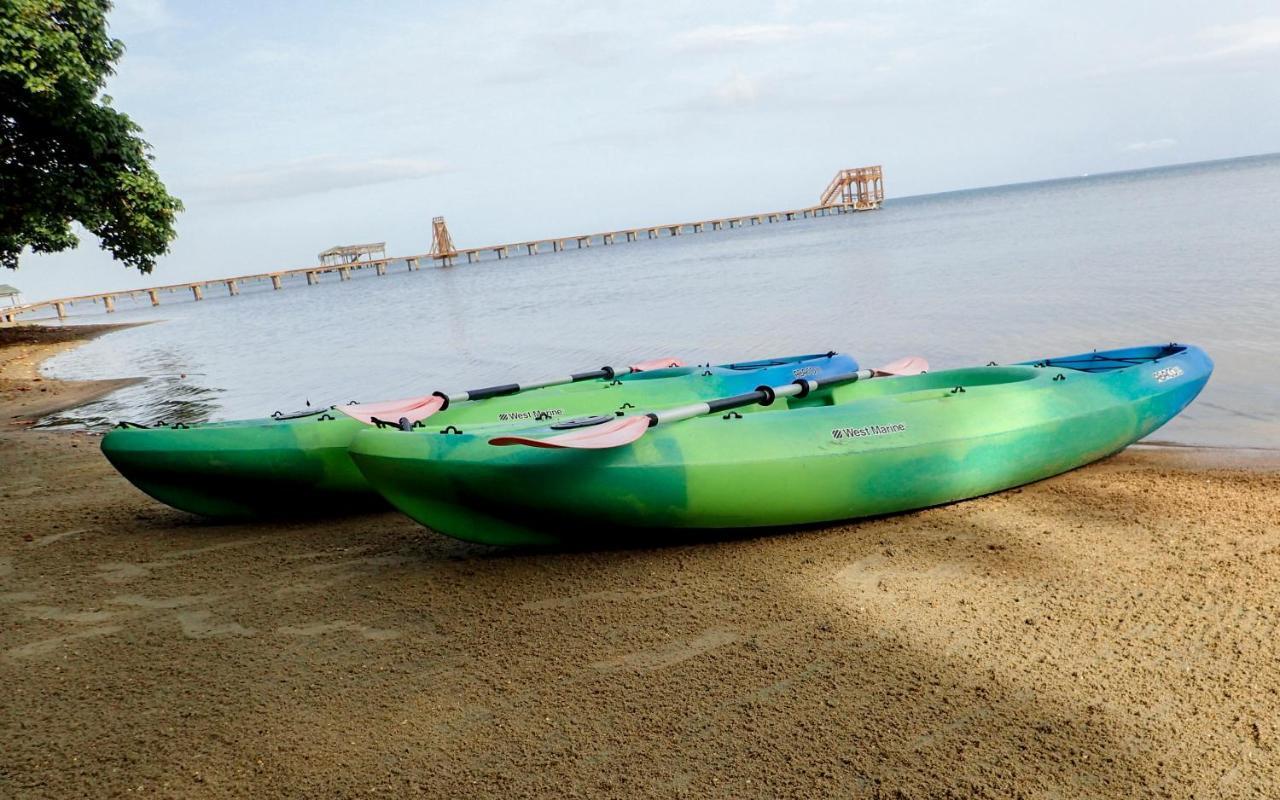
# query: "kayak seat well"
{"points": [[931, 382], [653, 374], [1111, 360]]}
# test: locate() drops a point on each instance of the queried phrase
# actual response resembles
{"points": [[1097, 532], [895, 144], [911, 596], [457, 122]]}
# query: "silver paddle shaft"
{"points": [[799, 387]]}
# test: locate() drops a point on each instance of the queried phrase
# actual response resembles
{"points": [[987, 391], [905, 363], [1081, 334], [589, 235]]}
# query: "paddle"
{"points": [[597, 433], [406, 412]]}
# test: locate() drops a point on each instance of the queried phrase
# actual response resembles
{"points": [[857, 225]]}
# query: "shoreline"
{"points": [[1105, 633], [25, 394]]}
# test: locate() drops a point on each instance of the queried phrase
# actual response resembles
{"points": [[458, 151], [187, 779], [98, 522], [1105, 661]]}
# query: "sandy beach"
{"points": [[1107, 633]]}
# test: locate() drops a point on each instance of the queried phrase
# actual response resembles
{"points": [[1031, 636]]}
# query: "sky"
{"points": [[289, 127]]}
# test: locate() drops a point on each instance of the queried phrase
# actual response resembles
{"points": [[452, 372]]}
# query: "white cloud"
{"points": [[132, 17], [319, 174], [1226, 42], [1153, 144], [719, 37], [1244, 39], [738, 90], [274, 54]]}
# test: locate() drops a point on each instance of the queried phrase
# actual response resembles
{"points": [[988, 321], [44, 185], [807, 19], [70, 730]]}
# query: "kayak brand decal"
{"points": [[1167, 374], [536, 415], [804, 372], [868, 430]]}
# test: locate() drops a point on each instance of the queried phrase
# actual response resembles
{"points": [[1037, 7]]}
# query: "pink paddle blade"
{"points": [[413, 409], [656, 363], [910, 365], [616, 433]]}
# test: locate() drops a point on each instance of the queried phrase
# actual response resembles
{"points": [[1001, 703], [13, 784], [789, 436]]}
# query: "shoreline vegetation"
{"points": [[1104, 633]]}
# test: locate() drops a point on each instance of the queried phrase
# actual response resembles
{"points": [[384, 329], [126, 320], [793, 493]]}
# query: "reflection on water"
{"points": [[158, 401], [1005, 274], [171, 396]]}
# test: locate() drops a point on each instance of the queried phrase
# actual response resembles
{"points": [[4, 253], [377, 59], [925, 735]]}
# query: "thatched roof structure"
{"points": [[351, 253]]}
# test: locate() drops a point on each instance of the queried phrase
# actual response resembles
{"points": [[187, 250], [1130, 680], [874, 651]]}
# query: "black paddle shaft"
{"points": [[512, 388], [765, 395]]}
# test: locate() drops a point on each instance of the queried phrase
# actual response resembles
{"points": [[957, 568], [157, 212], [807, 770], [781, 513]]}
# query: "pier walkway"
{"points": [[851, 190]]}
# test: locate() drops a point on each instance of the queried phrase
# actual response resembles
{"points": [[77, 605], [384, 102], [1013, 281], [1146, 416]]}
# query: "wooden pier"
{"points": [[850, 191]]}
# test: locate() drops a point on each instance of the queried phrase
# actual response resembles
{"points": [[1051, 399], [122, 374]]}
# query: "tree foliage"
{"points": [[65, 154]]}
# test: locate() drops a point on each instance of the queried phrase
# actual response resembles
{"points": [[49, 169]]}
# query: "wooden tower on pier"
{"points": [[858, 188], [442, 247]]}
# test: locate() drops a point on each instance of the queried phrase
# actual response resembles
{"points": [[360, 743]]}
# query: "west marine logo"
{"points": [[868, 430], [536, 415]]}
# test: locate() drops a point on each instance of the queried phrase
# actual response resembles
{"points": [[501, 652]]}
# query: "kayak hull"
{"points": [[292, 468], [864, 449], [297, 465]]}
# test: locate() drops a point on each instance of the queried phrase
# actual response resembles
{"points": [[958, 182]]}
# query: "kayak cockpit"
{"points": [[1110, 360], [926, 384]]}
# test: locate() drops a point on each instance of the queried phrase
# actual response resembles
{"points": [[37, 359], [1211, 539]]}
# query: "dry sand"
{"points": [[1107, 633]]}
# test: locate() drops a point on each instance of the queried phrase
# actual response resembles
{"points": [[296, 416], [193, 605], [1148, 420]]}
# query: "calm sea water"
{"points": [[1189, 253]]}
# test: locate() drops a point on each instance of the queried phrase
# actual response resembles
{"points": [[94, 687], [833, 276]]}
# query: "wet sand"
{"points": [[1107, 633], [25, 395]]}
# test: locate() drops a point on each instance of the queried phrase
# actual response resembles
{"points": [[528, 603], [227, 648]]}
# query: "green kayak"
{"points": [[289, 464], [846, 450]]}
